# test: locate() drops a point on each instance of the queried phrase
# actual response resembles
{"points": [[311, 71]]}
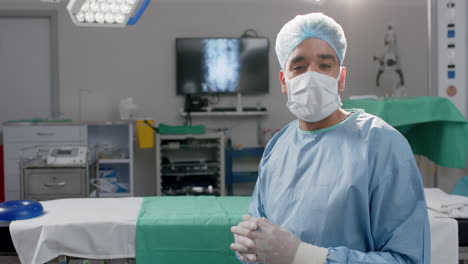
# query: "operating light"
{"points": [[106, 13]]}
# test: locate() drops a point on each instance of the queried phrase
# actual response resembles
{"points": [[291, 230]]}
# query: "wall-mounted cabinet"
{"points": [[190, 164]]}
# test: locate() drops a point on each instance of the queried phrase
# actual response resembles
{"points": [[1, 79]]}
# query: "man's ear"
{"points": [[342, 80], [282, 79]]}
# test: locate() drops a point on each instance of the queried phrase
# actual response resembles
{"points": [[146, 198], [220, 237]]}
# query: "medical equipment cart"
{"points": [[190, 164], [18, 136], [54, 172]]}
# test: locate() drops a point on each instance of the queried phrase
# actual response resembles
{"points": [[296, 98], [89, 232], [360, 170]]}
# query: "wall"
{"points": [[140, 61], [102, 66]]}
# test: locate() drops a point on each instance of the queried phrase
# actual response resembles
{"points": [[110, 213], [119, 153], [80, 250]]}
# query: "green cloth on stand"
{"points": [[434, 127], [188, 229], [181, 130]]}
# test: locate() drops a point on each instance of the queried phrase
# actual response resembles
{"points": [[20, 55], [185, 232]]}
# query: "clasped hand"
{"points": [[258, 240]]}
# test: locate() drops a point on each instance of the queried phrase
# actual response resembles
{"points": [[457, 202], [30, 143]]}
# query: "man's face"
{"points": [[311, 55]]}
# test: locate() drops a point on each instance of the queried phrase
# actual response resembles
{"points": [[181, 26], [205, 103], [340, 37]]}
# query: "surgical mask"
{"points": [[312, 96]]}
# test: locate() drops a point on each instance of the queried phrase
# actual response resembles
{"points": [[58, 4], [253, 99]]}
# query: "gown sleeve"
{"points": [[398, 213], [256, 206]]}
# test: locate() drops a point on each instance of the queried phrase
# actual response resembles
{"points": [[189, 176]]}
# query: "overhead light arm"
{"points": [[134, 19]]}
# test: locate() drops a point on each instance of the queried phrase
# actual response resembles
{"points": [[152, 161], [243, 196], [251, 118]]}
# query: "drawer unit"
{"points": [[24, 139], [43, 183]]}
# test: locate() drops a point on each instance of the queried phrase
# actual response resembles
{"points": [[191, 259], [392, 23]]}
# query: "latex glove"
{"points": [[242, 244], [272, 243]]}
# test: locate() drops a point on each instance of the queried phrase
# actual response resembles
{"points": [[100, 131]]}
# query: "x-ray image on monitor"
{"points": [[222, 65]]}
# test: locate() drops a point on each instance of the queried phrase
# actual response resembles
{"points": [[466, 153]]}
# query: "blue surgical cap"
{"points": [[313, 25]]}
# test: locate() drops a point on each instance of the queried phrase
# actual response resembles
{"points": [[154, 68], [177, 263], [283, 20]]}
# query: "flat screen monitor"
{"points": [[222, 66]]}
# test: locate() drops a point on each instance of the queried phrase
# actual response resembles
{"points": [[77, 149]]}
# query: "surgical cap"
{"points": [[313, 25]]}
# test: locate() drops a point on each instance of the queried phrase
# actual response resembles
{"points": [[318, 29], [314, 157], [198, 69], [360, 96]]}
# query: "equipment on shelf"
{"points": [[195, 103], [187, 168], [67, 155], [192, 177], [190, 164], [223, 109], [107, 182]]}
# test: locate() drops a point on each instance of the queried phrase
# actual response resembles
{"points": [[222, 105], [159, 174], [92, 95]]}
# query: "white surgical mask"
{"points": [[312, 96]]}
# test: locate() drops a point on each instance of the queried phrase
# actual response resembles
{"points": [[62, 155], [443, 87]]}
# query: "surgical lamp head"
{"points": [[106, 13], [313, 25]]}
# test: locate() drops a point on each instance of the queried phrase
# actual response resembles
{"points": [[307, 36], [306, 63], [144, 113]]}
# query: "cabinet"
{"points": [[111, 153], [190, 164], [110, 146], [21, 137]]}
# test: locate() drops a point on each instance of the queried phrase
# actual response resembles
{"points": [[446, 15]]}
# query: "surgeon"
{"points": [[334, 186]]}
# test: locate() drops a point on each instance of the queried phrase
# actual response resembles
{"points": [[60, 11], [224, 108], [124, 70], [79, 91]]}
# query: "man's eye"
{"points": [[325, 66], [298, 68]]}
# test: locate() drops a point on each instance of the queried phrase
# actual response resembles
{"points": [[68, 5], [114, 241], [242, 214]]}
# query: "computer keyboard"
{"points": [[223, 109], [253, 109], [234, 109]]}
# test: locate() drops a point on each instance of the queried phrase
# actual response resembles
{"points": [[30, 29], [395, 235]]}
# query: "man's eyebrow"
{"points": [[326, 56], [297, 59]]}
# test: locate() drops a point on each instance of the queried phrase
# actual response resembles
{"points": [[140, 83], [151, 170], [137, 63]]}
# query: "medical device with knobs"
{"points": [[390, 61], [67, 155]]}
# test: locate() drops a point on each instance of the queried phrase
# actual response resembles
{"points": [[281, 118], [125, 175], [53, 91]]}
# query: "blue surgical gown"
{"points": [[353, 188]]}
